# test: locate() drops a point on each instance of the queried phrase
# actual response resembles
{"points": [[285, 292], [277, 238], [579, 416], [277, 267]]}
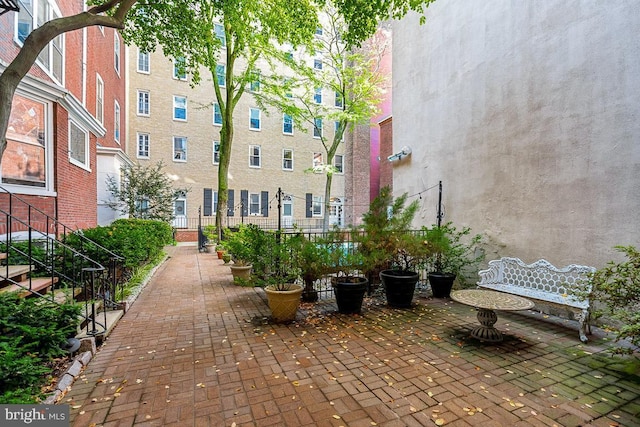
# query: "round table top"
{"points": [[492, 300]]}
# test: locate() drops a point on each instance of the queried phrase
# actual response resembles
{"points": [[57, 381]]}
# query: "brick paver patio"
{"points": [[197, 350]]}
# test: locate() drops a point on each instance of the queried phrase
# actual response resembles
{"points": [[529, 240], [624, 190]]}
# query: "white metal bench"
{"points": [[541, 281]]}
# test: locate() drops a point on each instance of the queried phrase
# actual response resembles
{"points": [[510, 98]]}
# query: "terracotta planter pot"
{"points": [[241, 271], [350, 293], [399, 286], [283, 304], [220, 253]]}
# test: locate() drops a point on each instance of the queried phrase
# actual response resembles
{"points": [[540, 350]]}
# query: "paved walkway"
{"points": [[196, 350]]}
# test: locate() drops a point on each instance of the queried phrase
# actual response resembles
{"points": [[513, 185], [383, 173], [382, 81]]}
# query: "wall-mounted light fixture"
{"points": [[405, 151]]}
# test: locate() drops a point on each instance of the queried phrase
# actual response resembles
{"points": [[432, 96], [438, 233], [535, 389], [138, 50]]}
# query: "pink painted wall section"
{"points": [[382, 36]]}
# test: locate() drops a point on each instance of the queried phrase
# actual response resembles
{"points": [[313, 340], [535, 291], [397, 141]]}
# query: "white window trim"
{"points": [[86, 164], [259, 119], [49, 47], [283, 159], [313, 204], [213, 156], [317, 91], [224, 70], [48, 189], [176, 76], [138, 134], [313, 130], [283, 132], [99, 99], [251, 155], [148, 70], [186, 152], [259, 213], [213, 118], [186, 110], [138, 93], [117, 122], [116, 52], [313, 160], [342, 163]]}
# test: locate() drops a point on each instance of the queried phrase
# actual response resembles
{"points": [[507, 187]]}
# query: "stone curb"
{"points": [[78, 365]]}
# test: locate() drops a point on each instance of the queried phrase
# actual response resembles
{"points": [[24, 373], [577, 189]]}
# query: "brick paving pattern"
{"points": [[197, 350]]}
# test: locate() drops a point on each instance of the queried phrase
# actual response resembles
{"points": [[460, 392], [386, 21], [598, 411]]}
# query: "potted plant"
{"points": [[455, 254], [283, 294], [239, 246], [391, 247], [210, 235], [312, 259], [347, 263]]}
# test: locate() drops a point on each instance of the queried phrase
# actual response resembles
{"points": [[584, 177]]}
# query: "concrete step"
{"points": [[101, 332], [17, 273]]}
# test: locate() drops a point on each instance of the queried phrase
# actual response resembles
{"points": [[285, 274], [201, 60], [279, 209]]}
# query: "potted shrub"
{"points": [[347, 264], [210, 235], [283, 294], [391, 247], [239, 247], [454, 255], [312, 259]]}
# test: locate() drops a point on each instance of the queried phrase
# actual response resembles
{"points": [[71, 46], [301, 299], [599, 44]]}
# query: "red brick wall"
{"points": [[386, 150], [76, 187], [18, 206]]}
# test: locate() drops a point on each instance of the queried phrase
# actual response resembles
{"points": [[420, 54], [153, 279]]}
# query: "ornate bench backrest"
{"points": [[541, 276]]}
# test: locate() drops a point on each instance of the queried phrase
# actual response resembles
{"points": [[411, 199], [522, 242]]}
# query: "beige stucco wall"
{"points": [[529, 112], [199, 172]]}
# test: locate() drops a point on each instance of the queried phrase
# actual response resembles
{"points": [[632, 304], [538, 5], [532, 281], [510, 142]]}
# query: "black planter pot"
{"points": [[399, 286], [349, 293], [441, 284]]}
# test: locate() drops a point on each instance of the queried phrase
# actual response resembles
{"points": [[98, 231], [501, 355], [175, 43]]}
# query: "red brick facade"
{"points": [[71, 190]]}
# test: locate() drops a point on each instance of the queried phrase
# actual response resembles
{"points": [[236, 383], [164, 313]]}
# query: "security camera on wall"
{"points": [[405, 151]]}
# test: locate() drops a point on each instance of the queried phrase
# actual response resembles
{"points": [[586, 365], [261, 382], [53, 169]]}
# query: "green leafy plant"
{"points": [[615, 289], [454, 251], [387, 241], [32, 333]]}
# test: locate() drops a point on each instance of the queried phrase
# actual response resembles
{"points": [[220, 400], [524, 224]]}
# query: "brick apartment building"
{"points": [[67, 122]]}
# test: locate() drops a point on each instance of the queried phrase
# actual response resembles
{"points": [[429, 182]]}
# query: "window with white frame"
{"points": [[179, 148], [216, 152], [255, 81], [316, 206], [215, 202], [287, 159], [180, 108], [51, 58], [99, 99], [254, 204], [317, 128], [143, 146], [338, 102], [78, 145], [219, 30], [255, 154], [317, 96], [317, 64], [336, 129], [287, 124], [143, 62], [217, 114], [179, 71], [116, 121], [221, 75], [143, 103], [318, 31], [116, 51], [338, 163], [27, 158], [254, 118], [317, 161]]}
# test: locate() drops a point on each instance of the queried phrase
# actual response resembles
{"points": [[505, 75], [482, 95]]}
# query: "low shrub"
{"points": [[32, 333]]}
